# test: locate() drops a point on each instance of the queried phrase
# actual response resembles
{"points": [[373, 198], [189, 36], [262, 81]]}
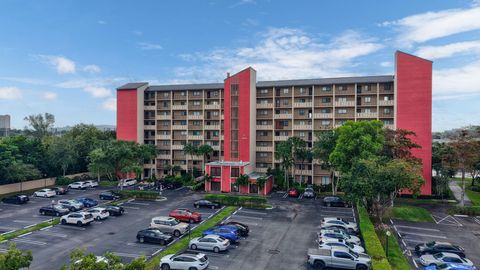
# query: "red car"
{"points": [[293, 192], [186, 215]]}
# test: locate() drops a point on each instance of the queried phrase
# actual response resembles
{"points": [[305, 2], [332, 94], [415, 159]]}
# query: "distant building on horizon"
{"points": [[4, 125]]}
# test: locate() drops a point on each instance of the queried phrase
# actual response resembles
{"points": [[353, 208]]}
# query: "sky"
{"points": [[67, 57]]}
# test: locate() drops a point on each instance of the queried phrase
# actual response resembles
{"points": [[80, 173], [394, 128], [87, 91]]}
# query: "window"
{"points": [[262, 133], [386, 98], [326, 122], [215, 171], [367, 110], [325, 110], [285, 102], [263, 112], [183, 133], [263, 123], [302, 90], [182, 93], [215, 113], [325, 180], [263, 91], [387, 111], [235, 172], [301, 112], [263, 155], [387, 86], [165, 94], [366, 87], [342, 87], [197, 123], [183, 123], [326, 100], [342, 99], [165, 123], [343, 255], [301, 134], [196, 113], [196, 93], [165, 104], [368, 99], [285, 90], [196, 103], [263, 101], [342, 111], [284, 123], [165, 143], [326, 88], [196, 132]]}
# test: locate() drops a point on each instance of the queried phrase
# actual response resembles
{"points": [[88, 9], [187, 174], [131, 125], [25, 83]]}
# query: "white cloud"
{"points": [[62, 64], [386, 64], [423, 27], [457, 81], [10, 93], [98, 92], [91, 69], [149, 46], [110, 104], [283, 53], [49, 95], [445, 51]]}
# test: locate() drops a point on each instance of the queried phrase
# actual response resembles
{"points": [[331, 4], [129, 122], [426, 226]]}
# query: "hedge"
{"points": [[372, 243], [246, 201], [63, 181], [139, 194], [466, 210]]}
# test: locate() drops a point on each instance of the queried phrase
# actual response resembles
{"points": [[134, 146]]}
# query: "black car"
{"points": [[334, 201], [436, 247], [109, 195], [206, 203], [56, 210], [16, 199], [154, 236], [242, 228], [309, 193], [114, 210], [60, 190]]}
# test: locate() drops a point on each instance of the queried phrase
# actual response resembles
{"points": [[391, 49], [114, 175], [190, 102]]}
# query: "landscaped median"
{"points": [[37, 227], [182, 243], [240, 200]]}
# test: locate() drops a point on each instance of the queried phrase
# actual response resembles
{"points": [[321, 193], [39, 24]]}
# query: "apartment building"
{"points": [[243, 119]]}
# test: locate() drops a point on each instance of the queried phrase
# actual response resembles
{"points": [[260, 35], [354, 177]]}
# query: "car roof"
{"points": [[449, 254], [163, 218], [194, 255]]}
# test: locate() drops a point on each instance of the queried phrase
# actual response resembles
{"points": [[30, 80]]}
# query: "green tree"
{"points": [[40, 125], [205, 150], [322, 149], [242, 180], [61, 153], [283, 152], [192, 150], [299, 152], [80, 260], [398, 144], [261, 181], [15, 259]]}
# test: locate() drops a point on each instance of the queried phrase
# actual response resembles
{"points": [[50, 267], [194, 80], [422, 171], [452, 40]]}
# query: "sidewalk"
{"points": [[457, 192]]}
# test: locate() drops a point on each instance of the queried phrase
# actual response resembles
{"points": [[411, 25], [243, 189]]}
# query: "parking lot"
{"points": [[462, 231]]}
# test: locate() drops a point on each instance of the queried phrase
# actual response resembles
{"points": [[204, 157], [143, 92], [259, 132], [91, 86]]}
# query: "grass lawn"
{"points": [[183, 243], [473, 195], [411, 213], [395, 255]]}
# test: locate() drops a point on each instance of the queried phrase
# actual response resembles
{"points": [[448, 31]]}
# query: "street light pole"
{"points": [[387, 233]]}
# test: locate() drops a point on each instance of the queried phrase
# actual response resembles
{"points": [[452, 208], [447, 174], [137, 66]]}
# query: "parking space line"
{"points": [[253, 212], [2, 250], [7, 232], [26, 241], [424, 235], [22, 221], [131, 207], [417, 228], [285, 195], [241, 216], [127, 255], [71, 227], [300, 197], [61, 235], [413, 240], [137, 203]]}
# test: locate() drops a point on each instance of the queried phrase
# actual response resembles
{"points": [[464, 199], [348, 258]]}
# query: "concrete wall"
{"points": [[28, 185]]}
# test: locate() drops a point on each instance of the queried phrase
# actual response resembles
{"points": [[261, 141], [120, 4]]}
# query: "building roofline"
{"points": [[398, 51], [130, 86]]}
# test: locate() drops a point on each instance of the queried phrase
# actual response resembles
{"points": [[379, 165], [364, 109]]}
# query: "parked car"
{"points": [[170, 184], [46, 193], [242, 228], [450, 266], [443, 257], [337, 257], [347, 238], [186, 215], [78, 185], [87, 202], [184, 261], [127, 182], [227, 232], [109, 195], [16, 199], [55, 210], [309, 193], [71, 205], [79, 218], [99, 213], [436, 247], [334, 201], [60, 190], [211, 242], [114, 210], [333, 242], [206, 203], [91, 183], [169, 225], [328, 221], [293, 192], [154, 236], [352, 238], [145, 185]]}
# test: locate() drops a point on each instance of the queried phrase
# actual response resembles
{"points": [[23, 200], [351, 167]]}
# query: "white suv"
{"points": [[78, 185], [99, 213], [184, 261], [91, 183], [80, 218], [46, 193], [127, 182], [169, 225]]}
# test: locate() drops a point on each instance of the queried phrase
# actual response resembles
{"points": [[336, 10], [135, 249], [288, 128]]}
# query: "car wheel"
{"points": [[329, 204], [165, 266], [361, 267], [191, 221], [98, 218], [192, 268], [197, 206], [216, 249], [42, 213], [319, 265], [213, 207], [57, 214], [141, 240], [45, 196], [176, 233], [72, 209], [79, 223], [193, 246], [64, 222], [162, 242]]}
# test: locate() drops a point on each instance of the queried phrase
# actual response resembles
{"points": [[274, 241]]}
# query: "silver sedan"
{"points": [[443, 257], [210, 242]]}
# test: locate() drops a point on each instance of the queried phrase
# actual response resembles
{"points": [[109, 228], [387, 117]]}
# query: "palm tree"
{"points": [[261, 182], [297, 145], [242, 180], [205, 150], [175, 169], [168, 168], [190, 149], [207, 178], [283, 152]]}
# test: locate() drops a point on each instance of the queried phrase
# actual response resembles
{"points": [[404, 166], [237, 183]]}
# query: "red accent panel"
{"points": [[127, 115], [414, 107]]}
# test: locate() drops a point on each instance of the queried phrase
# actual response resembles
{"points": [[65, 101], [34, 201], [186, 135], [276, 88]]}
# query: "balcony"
{"points": [[179, 127], [264, 127], [211, 127], [386, 102], [165, 156], [265, 148], [149, 127], [150, 108], [338, 125], [367, 115], [281, 138], [283, 116], [163, 117], [261, 170], [323, 115], [195, 117], [163, 137], [303, 172], [328, 127], [149, 166], [264, 105], [302, 127], [344, 103], [195, 137], [177, 146], [302, 104], [390, 126], [212, 107], [179, 107], [216, 147]]}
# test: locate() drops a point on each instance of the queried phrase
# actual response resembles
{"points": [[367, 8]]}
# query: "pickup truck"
{"points": [[338, 257]]}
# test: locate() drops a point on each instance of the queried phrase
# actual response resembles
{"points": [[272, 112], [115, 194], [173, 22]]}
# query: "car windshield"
{"points": [[58, 207], [442, 266], [353, 253], [430, 244], [174, 222], [438, 256], [203, 259], [308, 190]]}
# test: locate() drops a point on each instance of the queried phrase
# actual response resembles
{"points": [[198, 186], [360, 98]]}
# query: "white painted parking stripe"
{"points": [[22, 221], [127, 255], [424, 235], [213, 267], [61, 235], [38, 243], [7, 232], [253, 212], [285, 195], [241, 216], [25, 234], [413, 240], [71, 227], [417, 228], [137, 203], [300, 197], [130, 207], [2, 250]]}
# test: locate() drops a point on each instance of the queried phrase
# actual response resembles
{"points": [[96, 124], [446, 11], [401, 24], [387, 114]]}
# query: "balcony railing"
{"points": [[195, 137], [177, 146], [195, 117], [179, 107], [212, 127], [303, 127], [344, 103], [328, 127], [179, 127], [150, 108], [323, 115], [390, 126], [261, 170], [367, 115], [386, 102], [163, 137], [150, 127], [283, 116], [303, 172], [302, 104], [216, 147], [264, 127], [265, 148], [264, 105], [212, 107], [164, 156], [281, 138], [164, 117]]}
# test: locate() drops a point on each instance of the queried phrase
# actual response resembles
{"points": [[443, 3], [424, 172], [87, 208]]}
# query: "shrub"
{"points": [[108, 183], [475, 188], [247, 201], [140, 194], [199, 186], [63, 181], [466, 210]]}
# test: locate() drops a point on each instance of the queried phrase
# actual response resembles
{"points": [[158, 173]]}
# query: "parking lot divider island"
{"points": [[182, 243], [244, 201], [140, 194], [29, 230]]}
